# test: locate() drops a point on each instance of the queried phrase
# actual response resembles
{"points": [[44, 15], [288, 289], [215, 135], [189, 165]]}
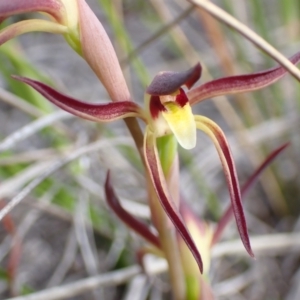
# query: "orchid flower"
{"points": [[63, 14], [80, 27], [168, 112]]}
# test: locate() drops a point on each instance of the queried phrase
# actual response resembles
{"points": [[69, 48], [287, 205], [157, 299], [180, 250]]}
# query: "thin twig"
{"points": [[157, 34], [249, 34]]}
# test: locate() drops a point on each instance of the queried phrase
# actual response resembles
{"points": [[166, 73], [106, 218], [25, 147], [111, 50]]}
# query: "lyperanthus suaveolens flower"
{"points": [[63, 19], [168, 112], [80, 27], [169, 107]]}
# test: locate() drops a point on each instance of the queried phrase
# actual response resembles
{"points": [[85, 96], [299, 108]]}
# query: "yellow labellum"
{"points": [[182, 124]]}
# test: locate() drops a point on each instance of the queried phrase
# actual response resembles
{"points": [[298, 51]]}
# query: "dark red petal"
{"points": [[238, 84], [12, 7], [133, 223], [245, 188], [89, 111], [159, 184], [219, 139], [167, 83], [155, 106]]}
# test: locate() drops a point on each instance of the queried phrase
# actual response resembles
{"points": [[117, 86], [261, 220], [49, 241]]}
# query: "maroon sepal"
{"points": [[133, 223], [219, 139], [245, 188], [160, 186], [167, 83], [238, 84], [234, 190], [89, 111]]}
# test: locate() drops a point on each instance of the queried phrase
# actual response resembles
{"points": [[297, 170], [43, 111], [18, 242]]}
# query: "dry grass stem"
{"points": [[20, 103], [32, 128], [12, 185], [81, 286], [138, 288], [56, 166], [84, 285], [138, 209], [257, 40], [84, 239], [66, 261], [270, 244], [30, 156], [165, 28], [188, 51], [233, 285]]}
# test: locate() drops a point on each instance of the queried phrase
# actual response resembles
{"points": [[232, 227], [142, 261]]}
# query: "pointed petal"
{"points": [[158, 180], [52, 7], [28, 26], [245, 188], [89, 111], [166, 83], [219, 139], [238, 84], [133, 223], [182, 123]]}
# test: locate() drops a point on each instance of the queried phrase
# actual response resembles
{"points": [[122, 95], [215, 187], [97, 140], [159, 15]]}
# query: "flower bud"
{"points": [[98, 51]]}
